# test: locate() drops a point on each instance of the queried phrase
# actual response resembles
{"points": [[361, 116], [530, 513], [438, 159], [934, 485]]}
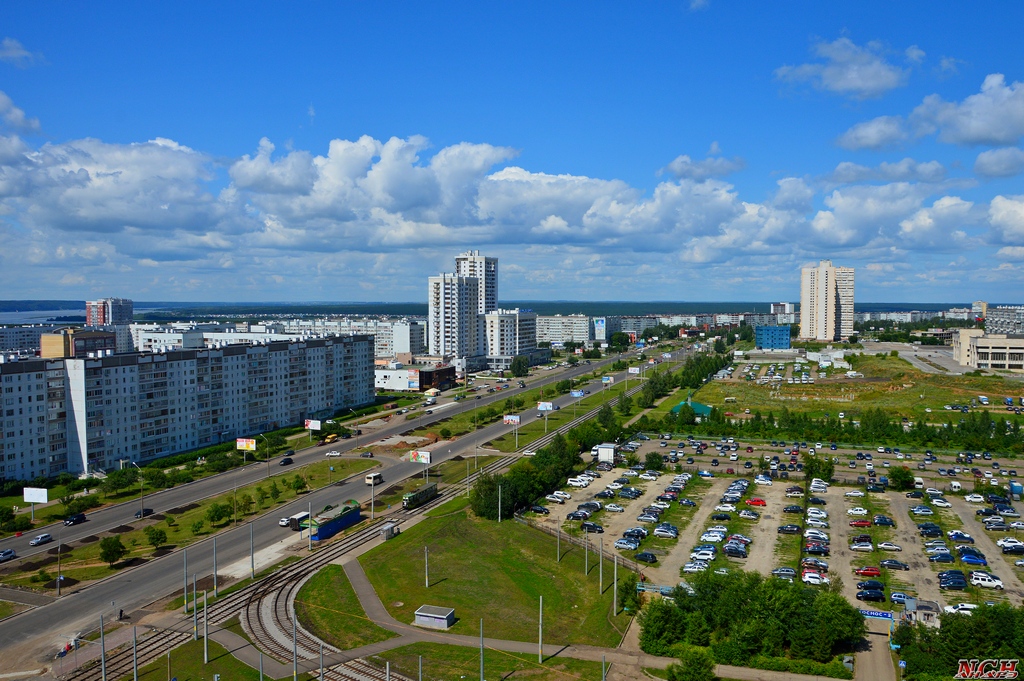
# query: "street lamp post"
{"points": [[142, 490]]}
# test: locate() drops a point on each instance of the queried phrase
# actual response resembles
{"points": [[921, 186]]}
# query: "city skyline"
{"points": [[688, 152]]}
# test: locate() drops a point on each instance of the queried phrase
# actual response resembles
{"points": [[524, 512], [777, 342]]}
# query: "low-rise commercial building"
{"points": [[979, 350], [772, 337], [414, 378]]}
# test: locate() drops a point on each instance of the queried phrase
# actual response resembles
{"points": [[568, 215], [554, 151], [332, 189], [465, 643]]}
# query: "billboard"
{"points": [[634, 370], [419, 457], [36, 495], [312, 424], [576, 393], [246, 444], [545, 406], [511, 420], [666, 355], [607, 379]]}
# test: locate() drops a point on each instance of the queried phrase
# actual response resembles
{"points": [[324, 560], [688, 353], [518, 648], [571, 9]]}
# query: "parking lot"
{"points": [[768, 549]]}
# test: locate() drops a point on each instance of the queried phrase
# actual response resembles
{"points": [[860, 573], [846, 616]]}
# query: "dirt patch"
{"points": [[394, 489], [121, 529], [134, 562], [88, 540], [63, 550], [65, 583], [182, 509], [163, 551], [157, 517], [204, 584], [457, 457], [34, 565]]}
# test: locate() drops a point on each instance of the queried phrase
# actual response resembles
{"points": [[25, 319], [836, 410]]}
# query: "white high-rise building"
{"points": [[509, 333], [826, 302], [454, 319], [472, 264]]}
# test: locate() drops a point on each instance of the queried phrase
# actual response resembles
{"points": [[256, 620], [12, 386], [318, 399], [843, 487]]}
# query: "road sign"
{"points": [[903, 664]]}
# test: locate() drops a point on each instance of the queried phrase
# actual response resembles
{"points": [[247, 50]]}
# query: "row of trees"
{"points": [[742, 616], [995, 632]]}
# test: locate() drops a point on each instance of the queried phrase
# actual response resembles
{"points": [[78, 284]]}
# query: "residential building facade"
{"points": [[509, 333], [109, 312], [559, 329], [826, 302], [1005, 319]]}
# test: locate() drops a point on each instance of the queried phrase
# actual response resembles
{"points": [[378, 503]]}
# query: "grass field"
{"points": [[889, 383], [80, 561], [328, 607], [449, 472], [451, 506], [7, 608], [187, 665], [445, 662], [497, 572]]}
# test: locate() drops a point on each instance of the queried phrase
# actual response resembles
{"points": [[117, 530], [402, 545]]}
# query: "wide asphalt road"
{"points": [[161, 501], [49, 627]]}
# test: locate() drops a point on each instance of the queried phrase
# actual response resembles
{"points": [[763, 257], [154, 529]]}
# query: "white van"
{"points": [[986, 581], [374, 479]]}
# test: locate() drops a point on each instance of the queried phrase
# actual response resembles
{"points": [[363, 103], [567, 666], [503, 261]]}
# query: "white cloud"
{"points": [[914, 54], [684, 166], [292, 174], [939, 226], [884, 131], [696, 5], [858, 214], [1006, 215], [1005, 162], [906, 170], [994, 116], [949, 66], [14, 117], [13, 52], [1011, 253], [849, 70]]}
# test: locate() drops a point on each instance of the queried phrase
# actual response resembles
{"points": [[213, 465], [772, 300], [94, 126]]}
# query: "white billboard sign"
{"points": [[36, 495], [312, 424], [245, 444], [419, 457], [545, 406], [511, 419], [634, 370]]}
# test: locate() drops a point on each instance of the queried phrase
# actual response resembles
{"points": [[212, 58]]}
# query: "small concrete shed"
{"points": [[434, 617]]}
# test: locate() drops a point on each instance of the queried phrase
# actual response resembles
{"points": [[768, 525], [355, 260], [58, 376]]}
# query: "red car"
{"points": [[860, 523], [756, 501], [868, 572], [730, 471], [749, 450]]}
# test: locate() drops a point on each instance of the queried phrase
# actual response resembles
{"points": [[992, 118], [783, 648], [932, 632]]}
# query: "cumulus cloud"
{"points": [[13, 52], [14, 117], [851, 70], [939, 226], [906, 170], [292, 174], [715, 166], [1005, 162], [1006, 215], [884, 131], [858, 214]]}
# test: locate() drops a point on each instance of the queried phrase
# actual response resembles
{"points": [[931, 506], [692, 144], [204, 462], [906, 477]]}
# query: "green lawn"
{"points": [[445, 662], [7, 608], [451, 506], [187, 665], [498, 572], [327, 606]]}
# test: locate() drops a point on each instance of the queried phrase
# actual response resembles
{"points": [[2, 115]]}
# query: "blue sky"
{"points": [[687, 151]]}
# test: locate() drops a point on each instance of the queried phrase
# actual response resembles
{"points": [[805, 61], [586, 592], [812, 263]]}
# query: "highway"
{"points": [[46, 628]]}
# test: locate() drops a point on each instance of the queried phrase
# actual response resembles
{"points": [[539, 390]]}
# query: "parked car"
{"points": [[894, 565], [646, 557]]}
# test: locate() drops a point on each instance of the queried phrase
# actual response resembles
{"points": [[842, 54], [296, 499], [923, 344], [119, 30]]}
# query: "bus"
{"points": [[374, 479], [420, 496], [295, 522], [333, 437]]}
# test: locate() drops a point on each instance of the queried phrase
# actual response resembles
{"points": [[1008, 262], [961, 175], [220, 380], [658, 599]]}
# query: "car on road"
{"points": [[333, 452], [40, 539], [74, 519], [7, 554], [143, 512], [894, 565], [286, 461], [875, 596], [646, 557], [889, 546]]}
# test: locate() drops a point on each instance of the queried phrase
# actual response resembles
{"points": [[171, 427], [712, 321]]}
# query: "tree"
{"points": [[261, 495], [653, 461], [298, 484], [901, 478], [625, 404], [197, 527], [155, 537], [573, 360], [112, 550], [217, 512], [720, 346], [632, 459], [695, 664], [275, 491], [606, 417], [247, 502], [628, 598], [520, 366]]}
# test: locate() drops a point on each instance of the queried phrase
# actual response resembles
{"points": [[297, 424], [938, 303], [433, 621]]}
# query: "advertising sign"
{"points": [[607, 379], [312, 424], [878, 614], [545, 406], [419, 457], [666, 355], [511, 419], [634, 370], [576, 393], [36, 495], [246, 444]]}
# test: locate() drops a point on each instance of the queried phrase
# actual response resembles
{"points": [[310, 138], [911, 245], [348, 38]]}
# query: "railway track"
{"points": [[266, 607]]}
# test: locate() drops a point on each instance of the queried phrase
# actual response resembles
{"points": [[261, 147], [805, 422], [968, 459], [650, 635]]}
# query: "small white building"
{"points": [[434, 617]]}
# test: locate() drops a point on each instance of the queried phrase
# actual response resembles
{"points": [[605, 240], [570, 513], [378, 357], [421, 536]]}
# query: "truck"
{"points": [[430, 401], [983, 400], [1008, 401], [918, 483], [606, 452]]}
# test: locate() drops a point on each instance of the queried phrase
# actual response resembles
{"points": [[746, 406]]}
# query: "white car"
{"points": [[975, 498], [614, 485], [857, 510], [578, 482], [1017, 525], [814, 522], [630, 473], [862, 546], [561, 495], [986, 581], [814, 578], [962, 608], [284, 522], [727, 508], [555, 498], [816, 535], [702, 556], [854, 493], [932, 550], [941, 503], [695, 566], [794, 494], [665, 533], [814, 512], [661, 504], [614, 508], [889, 546], [718, 528], [333, 452], [1009, 541], [763, 481], [931, 491]]}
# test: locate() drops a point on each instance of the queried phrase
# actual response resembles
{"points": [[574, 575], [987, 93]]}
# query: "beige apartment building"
{"points": [[979, 350], [826, 302]]}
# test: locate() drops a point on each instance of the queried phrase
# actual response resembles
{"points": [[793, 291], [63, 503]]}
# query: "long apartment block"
{"points": [[77, 415]]}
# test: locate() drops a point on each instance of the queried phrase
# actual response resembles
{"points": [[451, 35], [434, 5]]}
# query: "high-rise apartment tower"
{"points": [[826, 302]]}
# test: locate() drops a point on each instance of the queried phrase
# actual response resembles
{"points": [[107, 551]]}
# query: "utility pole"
{"points": [[426, 567], [135, 655], [540, 633], [499, 504], [195, 611], [184, 592], [206, 631], [481, 650], [216, 592], [103, 650], [252, 556], [615, 584]]}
